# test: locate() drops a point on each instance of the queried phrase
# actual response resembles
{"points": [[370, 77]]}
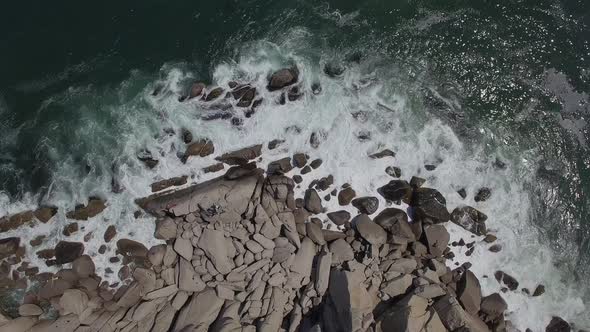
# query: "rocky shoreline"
{"points": [[241, 253]]}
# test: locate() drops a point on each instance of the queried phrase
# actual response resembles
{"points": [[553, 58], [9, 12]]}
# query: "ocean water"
{"points": [[494, 93]]}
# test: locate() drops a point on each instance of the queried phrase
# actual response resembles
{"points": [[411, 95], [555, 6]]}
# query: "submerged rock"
{"points": [[483, 194]]}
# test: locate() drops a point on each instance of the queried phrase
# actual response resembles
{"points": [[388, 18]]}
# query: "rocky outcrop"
{"points": [[83, 212], [241, 255]]}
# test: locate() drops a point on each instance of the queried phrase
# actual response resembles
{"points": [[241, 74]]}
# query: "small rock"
{"points": [[300, 159], [540, 290], [507, 279], [369, 230], [470, 219], [83, 266], [275, 143], [9, 246], [557, 324], [200, 148], [83, 212], [417, 182], [316, 163], [495, 248], [382, 154], [282, 78], [44, 214], [489, 237], [196, 90], [66, 252], [167, 183], [30, 310], [339, 217], [110, 233], [462, 193], [396, 190], [367, 205], [483, 194], [214, 94], [313, 202], [213, 168], [393, 171], [280, 166], [345, 196]]}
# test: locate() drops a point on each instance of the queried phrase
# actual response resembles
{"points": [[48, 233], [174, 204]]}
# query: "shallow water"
{"points": [[442, 83]]}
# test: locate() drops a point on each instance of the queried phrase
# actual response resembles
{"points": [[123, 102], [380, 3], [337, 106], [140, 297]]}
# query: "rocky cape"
{"points": [[241, 253]]}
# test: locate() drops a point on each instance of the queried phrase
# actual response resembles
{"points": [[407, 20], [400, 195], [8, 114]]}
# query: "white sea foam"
{"points": [[392, 120]]}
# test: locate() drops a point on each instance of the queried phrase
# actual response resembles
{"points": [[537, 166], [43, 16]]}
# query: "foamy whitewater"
{"points": [[389, 113]]}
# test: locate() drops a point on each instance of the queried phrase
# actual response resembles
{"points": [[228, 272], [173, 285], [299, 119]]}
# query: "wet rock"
{"points": [[430, 167], [557, 324], [334, 69], [146, 158], [294, 93], [316, 163], [30, 310], [300, 160], [483, 194], [430, 204], [382, 154], [214, 94], [539, 290], [70, 229], [67, 252], [396, 190], [393, 171], [245, 95], [164, 184], [110, 233], [213, 168], [196, 90], [470, 219], [186, 135], [395, 221], [283, 78], [15, 221], [316, 138], [345, 196], [313, 202], [417, 182], [9, 246], [506, 279], [367, 205], [339, 217], [36, 241], [495, 248], [280, 166], [93, 208], [275, 143], [241, 156], [489, 237], [462, 192], [297, 179], [130, 248], [200, 148], [238, 172], [316, 88], [44, 214]]}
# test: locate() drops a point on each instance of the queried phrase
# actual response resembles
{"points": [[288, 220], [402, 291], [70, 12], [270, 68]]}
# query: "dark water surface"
{"points": [[510, 74]]}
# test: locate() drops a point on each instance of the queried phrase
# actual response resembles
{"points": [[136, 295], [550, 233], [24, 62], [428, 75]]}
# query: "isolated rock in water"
{"points": [[483, 194], [164, 184], [369, 230], [334, 69], [67, 252], [280, 166], [300, 159], [383, 154], [557, 324], [539, 290], [396, 190], [393, 171], [9, 246], [93, 208], [395, 221], [469, 292], [313, 202], [241, 156], [214, 94], [462, 192], [15, 221], [437, 239], [339, 217], [430, 204], [283, 78], [187, 136], [345, 196], [200, 148], [367, 205], [470, 219], [44, 214], [507, 279], [316, 138], [196, 90], [493, 306], [417, 182], [275, 143]]}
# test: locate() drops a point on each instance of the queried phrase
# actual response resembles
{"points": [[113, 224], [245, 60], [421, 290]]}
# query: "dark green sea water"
{"points": [[509, 77]]}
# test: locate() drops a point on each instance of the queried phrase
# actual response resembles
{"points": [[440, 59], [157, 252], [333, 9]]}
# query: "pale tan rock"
{"points": [[188, 280], [184, 248], [83, 266], [215, 246], [179, 300], [170, 256], [201, 311], [156, 254], [20, 324], [164, 319], [144, 309], [162, 292], [30, 310], [73, 301]]}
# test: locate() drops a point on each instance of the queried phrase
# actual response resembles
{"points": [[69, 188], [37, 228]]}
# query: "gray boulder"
{"points": [[367, 205], [396, 190], [470, 219], [429, 204], [395, 221], [370, 231]]}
